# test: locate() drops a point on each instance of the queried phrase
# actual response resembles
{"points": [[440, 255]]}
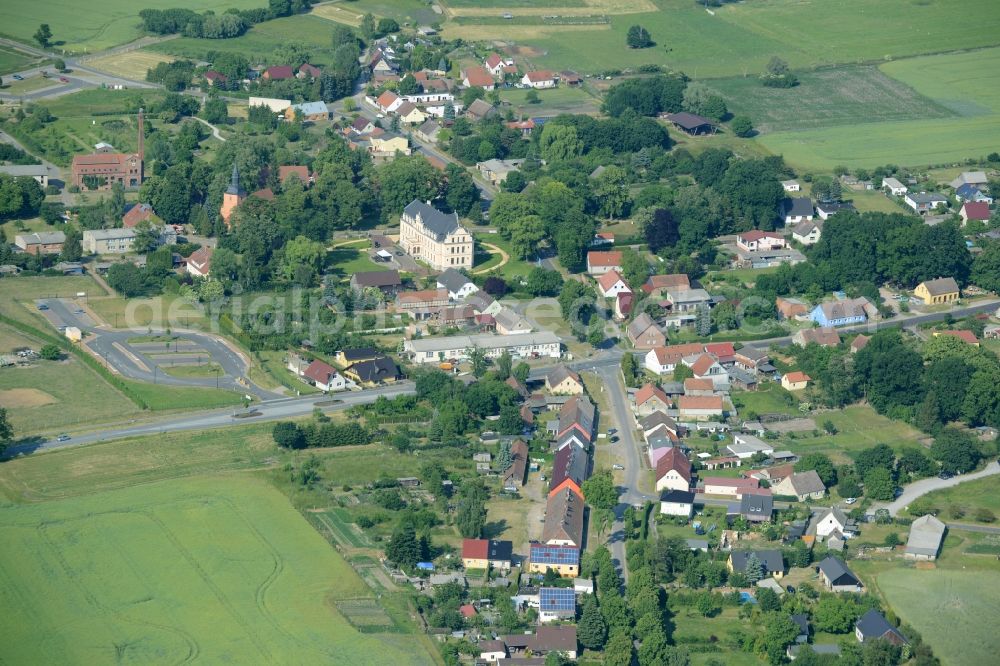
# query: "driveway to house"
{"points": [[272, 410], [920, 488]]}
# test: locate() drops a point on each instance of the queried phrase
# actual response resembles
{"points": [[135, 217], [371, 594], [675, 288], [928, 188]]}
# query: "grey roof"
{"points": [[798, 206], [510, 319], [660, 442], [655, 419], [234, 182], [807, 482], [925, 197], [377, 279], [697, 544], [640, 324], [802, 620], [452, 280], [480, 300], [428, 128], [805, 228], [837, 572], [559, 374], [873, 625], [752, 353], [831, 207], [480, 108], [109, 234], [677, 496], [438, 223], [771, 559], [941, 286], [42, 238], [843, 309], [311, 108], [753, 506], [926, 534], [31, 170], [485, 341]]}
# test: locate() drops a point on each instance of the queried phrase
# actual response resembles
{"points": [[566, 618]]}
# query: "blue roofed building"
{"points": [[970, 192], [556, 603], [841, 313], [563, 559]]}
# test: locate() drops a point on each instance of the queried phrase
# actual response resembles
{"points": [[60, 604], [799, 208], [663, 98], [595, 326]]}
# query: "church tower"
{"points": [[232, 197]]}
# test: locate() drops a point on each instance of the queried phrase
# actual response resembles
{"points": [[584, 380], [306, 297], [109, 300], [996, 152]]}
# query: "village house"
{"points": [[480, 110], [456, 347], [513, 477], [926, 536], [564, 560], [278, 73], [801, 485], [563, 381], [795, 380], [101, 169], [495, 65], [324, 377], [42, 242], [427, 234], [837, 577], [807, 233], [689, 122], [410, 114], [896, 188], [718, 485], [771, 561], [790, 308], [791, 186], [556, 604], [843, 312], [705, 366], [663, 360], [478, 77], [547, 639], [487, 554], [387, 282], [600, 262], [658, 422], [386, 148], [199, 264], [746, 446], [677, 503], [797, 209], [968, 337], [496, 171], [564, 519], [643, 333], [825, 336], [539, 80], [923, 202], [827, 209], [308, 112], [873, 626], [977, 178], [610, 284], [974, 211], [509, 322], [698, 387], [972, 193], [756, 240], [649, 399], [938, 291], [374, 372], [697, 408], [109, 241], [756, 507], [657, 285], [458, 285], [346, 357], [673, 471]]}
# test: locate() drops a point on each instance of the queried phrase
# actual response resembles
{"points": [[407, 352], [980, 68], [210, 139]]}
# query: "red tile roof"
{"points": [[964, 336], [475, 549], [285, 172], [608, 258], [685, 402], [797, 376], [695, 384], [976, 210], [137, 214], [478, 76], [757, 235], [674, 459], [672, 281], [540, 75], [318, 371], [279, 72], [743, 484], [609, 279], [648, 392]]}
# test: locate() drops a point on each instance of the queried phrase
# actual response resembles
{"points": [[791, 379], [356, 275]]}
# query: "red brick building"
{"points": [[110, 168]]}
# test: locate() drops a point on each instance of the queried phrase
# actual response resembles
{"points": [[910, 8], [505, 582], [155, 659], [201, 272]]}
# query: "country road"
{"points": [[219, 418], [920, 488]]}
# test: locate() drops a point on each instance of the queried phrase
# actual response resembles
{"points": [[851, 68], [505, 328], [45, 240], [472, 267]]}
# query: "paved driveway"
{"points": [[920, 488]]}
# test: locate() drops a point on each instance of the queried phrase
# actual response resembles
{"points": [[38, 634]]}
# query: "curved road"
{"points": [[920, 488]]}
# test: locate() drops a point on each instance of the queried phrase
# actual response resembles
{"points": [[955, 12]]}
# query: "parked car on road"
{"points": [[18, 77], [618, 467]]}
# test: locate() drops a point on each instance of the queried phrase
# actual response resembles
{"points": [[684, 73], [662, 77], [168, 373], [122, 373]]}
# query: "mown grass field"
{"points": [[132, 65], [311, 32], [213, 569], [827, 97], [12, 60], [971, 495], [740, 38], [99, 25], [949, 609], [552, 102], [965, 83]]}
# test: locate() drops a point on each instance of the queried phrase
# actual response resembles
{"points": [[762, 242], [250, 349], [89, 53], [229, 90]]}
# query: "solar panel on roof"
{"points": [[542, 554], [557, 599]]}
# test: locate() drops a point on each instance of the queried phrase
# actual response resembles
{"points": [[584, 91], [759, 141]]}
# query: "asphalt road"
{"points": [[920, 488], [220, 418], [113, 347]]}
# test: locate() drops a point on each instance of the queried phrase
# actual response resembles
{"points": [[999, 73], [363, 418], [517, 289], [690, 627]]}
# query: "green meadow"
{"points": [[95, 26]]}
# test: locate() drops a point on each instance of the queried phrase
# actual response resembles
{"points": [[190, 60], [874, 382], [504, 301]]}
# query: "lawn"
{"points": [[161, 398], [964, 83], [971, 495], [858, 427], [310, 32], [216, 569], [739, 38], [12, 60], [191, 371], [130, 65], [413, 12], [564, 99], [346, 261], [101, 26], [948, 608], [47, 396], [769, 400], [158, 311], [827, 97], [29, 84]]}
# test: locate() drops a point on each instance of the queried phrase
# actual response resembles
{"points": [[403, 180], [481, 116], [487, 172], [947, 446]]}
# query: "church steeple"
{"points": [[234, 183]]}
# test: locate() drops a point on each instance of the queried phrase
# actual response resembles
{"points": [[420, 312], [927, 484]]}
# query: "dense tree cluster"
{"points": [[646, 96], [231, 23]]}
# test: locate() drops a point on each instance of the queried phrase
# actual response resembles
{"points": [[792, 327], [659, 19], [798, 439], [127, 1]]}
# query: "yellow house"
{"points": [[389, 147], [410, 114], [564, 560], [795, 381], [563, 381], [934, 292]]}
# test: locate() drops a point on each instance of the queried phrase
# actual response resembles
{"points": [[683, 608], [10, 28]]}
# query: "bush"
{"points": [[50, 352], [742, 126], [984, 515], [288, 435]]}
